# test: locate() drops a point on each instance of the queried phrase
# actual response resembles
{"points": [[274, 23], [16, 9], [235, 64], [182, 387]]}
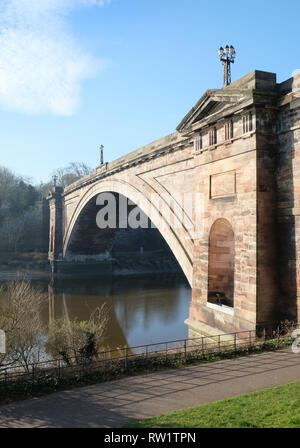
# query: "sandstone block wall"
{"points": [[249, 178]]}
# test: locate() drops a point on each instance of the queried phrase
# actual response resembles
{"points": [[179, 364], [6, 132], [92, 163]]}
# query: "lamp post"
{"points": [[227, 56], [101, 154]]}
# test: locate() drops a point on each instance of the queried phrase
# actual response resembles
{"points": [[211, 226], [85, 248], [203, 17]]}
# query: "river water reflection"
{"points": [[143, 310]]}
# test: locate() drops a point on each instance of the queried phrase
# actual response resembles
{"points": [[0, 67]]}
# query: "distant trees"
{"points": [[11, 232], [21, 207], [18, 200], [16, 194]]}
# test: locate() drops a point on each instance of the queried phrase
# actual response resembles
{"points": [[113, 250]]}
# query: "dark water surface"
{"points": [[143, 310]]}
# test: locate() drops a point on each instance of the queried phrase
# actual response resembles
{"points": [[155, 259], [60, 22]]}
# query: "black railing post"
{"points": [[234, 342], [126, 358], [185, 350], [202, 343]]}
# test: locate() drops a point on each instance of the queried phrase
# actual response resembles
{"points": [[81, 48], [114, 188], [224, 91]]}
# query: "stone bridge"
{"points": [[235, 156]]}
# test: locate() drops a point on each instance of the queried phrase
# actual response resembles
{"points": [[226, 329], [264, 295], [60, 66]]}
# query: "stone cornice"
{"points": [[112, 168], [246, 99]]}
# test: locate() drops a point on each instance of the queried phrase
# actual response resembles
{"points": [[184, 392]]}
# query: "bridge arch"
{"points": [[160, 216]]}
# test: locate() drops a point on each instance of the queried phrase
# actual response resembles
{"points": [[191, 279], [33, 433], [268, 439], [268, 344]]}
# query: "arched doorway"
{"points": [[221, 264]]}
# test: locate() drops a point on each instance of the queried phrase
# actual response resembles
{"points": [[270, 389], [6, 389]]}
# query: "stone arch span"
{"points": [[161, 215]]}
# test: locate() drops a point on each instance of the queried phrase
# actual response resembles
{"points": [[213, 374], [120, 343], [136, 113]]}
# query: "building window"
{"points": [[247, 123], [198, 142], [229, 130], [213, 136]]}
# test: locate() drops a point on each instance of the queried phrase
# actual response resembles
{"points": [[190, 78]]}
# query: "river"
{"points": [[142, 310]]}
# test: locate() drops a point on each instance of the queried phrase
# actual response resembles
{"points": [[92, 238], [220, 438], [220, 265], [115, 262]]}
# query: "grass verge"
{"points": [[278, 407]]}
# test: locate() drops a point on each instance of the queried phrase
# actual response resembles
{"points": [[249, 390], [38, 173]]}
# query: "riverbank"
{"points": [[29, 274], [36, 265], [31, 264]]}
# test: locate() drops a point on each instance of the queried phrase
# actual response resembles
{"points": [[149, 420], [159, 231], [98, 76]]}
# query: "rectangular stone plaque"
{"points": [[222, 184]]}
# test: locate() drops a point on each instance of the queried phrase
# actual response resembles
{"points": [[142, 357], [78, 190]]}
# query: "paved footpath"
{"points": [[116, 403]]}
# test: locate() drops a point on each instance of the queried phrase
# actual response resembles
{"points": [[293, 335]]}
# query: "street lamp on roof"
{"points": [[227, 57]]}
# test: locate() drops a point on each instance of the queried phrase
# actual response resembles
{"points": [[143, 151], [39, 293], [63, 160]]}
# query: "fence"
{"points": [[113, 363]]}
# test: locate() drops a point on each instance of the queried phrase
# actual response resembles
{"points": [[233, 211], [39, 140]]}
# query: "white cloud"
{"points": [[41, 64]]}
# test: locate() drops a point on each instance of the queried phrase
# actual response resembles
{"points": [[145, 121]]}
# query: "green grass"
{"points": [[278, 407]]}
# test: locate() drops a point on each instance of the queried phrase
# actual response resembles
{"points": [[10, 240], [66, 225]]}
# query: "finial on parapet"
{"points": [[54, 190], [101, 154]]}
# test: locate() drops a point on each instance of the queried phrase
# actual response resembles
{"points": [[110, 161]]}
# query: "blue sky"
{"points": [[78, 73]]}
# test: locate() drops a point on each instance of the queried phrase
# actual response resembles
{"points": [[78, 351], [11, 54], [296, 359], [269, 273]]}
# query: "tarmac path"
{"points": [[113, 404]]}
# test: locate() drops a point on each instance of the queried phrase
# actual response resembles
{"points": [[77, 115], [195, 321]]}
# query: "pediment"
{"points": [[212, 105]]}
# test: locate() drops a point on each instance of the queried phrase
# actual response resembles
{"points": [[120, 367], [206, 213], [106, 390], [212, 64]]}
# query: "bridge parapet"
{"points": [[155, 149]]}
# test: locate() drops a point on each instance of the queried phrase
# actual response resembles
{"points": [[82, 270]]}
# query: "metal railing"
{"points": [[110, 363]]}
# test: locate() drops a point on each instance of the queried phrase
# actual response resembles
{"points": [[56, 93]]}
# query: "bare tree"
{"points": [[69, 174], [79, 341], [20, 318]]}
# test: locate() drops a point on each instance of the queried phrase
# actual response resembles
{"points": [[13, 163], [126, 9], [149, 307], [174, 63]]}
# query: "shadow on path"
{"points": [[116, 403]]}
